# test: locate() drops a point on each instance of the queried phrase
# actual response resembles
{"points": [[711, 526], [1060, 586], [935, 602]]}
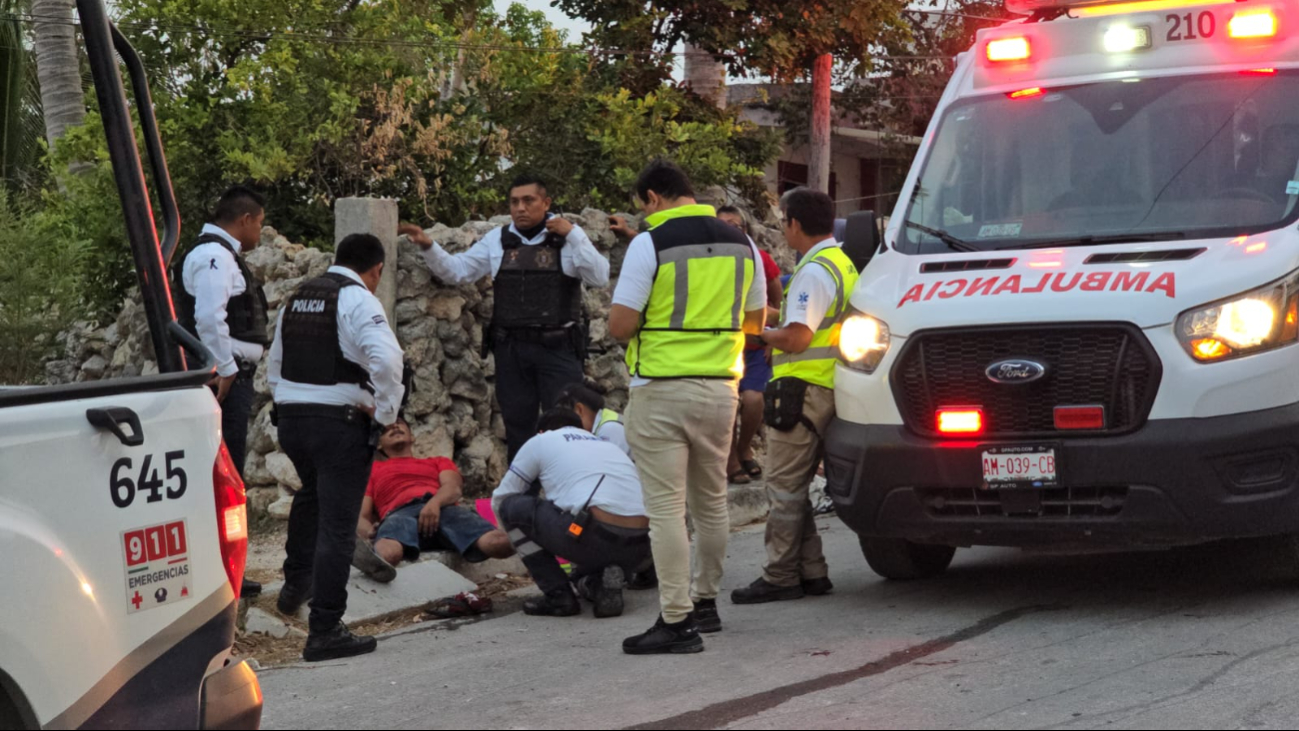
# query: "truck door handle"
{"points": [[112, 419]]}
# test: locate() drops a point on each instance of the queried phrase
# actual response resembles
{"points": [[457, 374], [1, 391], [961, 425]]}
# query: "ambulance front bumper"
{"points": [[1177, 481]]}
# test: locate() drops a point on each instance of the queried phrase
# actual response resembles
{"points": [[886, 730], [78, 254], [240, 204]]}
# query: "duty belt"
{"points": [[634, 536], [539, 335], [349, 414]]}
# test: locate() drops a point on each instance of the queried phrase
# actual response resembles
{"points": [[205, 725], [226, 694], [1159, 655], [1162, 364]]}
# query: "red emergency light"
{"points": [[1070, 418], [1001, 50], [963, 420], [1035, 91]]}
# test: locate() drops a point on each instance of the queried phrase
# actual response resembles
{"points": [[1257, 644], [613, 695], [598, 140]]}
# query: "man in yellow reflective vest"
{"points": [[803, 361], [688, 292]]}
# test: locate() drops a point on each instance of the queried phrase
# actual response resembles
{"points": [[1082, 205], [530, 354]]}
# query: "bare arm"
{"points": [[754, 321], [624, 322], [792, 338], [365, 525], [452, 488]]}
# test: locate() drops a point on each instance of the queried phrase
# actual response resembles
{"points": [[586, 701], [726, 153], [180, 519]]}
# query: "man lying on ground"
{"points": [[593, 515], [412, 505]]}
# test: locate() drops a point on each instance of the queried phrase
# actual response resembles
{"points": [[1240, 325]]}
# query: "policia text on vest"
{"points": [[538, 265], [800, 399], [687, 293]]}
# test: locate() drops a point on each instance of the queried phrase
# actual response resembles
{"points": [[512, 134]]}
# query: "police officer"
{"points": [[538, 265], [335, 370], [803, 360], [221, 301], [687, 293]]}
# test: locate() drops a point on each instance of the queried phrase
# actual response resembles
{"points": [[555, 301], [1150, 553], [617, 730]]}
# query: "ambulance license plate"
{"points": [[1027, 467]]}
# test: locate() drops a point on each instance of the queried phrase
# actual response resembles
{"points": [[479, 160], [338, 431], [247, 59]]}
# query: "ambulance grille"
{"points": [[1087, 364]]}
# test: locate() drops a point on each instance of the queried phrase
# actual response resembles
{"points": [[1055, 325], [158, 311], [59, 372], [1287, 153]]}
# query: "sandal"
{"points": [[460, 605], [752, 467], [739, 477]]}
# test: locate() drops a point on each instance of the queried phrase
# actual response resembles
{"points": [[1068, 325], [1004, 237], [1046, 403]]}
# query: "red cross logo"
{"points": [[137, 600]]}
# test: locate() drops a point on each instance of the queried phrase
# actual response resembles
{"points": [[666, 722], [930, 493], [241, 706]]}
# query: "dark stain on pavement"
{"points": [[728, 712]]}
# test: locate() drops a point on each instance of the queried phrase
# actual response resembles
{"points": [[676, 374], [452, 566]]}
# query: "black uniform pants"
{"points": [[539, 530], [333, 457], [236, 412], [529, 377]]}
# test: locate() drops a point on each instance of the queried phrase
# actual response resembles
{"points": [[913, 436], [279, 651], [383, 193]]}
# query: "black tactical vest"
{"points": [[245, 313], [309, 336], [531, 289]]}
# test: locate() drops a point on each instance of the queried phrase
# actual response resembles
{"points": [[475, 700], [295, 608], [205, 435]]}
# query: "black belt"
{"points": [[539, 335], [639, 537], [349, 414]]}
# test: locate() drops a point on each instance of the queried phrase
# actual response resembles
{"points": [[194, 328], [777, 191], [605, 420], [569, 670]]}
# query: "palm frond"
{"points": [[21, 124]]}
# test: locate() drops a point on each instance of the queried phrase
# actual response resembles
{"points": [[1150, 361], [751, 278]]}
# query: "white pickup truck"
{"points": [[1080, 325], [122, 519]]}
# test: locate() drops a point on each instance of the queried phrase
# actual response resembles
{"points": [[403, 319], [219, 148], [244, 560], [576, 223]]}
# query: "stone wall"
{"points": [[452, 407]]}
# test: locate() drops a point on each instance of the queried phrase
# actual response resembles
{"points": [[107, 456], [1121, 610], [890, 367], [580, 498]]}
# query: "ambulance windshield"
{"points": [[1184, 157]]}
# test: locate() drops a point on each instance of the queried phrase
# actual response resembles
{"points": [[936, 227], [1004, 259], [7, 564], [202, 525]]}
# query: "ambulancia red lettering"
{"points": [[949, 293], [1010, 286], [1128, 281], [981, 287], [1096, 281], [912, 295], [933, 290], [1041, 285], [1166, 283], [1059, 279]]}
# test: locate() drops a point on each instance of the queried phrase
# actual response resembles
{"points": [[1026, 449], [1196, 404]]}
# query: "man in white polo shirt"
{"points": [[593, 515]]}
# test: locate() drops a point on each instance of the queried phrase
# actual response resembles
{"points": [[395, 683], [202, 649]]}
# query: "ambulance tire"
{"points": [[14, 712], [901, 560]]}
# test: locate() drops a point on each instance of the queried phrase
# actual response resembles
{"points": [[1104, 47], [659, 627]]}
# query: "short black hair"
{"points": [[665, 178], [744, 220], [529, 179], [359, 252], [558, 418], [585, 394], [237, 202], [811, 208]]}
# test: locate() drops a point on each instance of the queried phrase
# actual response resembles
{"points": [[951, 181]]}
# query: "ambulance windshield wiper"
{"points": [[1099, 240], [952, 242]]}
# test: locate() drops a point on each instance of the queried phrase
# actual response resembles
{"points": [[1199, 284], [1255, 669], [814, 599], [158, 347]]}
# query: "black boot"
{"points": [[250, 589], [762, 591], [707, 617], [336, 643], [608, 597], [292, 598], [818, 587], [644, 579], [663, 638], [557, 603]]}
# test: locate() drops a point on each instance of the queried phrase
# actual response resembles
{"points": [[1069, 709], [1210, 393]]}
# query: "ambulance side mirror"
{"points": [[861, 238]]}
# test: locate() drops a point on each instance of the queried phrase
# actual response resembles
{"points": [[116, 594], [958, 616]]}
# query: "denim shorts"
{"points": [[458, 530], [757, 371]]}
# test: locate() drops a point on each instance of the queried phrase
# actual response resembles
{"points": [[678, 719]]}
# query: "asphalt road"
{"points": [[1194, 638]]}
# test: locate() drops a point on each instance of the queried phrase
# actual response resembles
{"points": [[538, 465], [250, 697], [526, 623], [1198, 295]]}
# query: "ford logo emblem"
{"points": [[1015, 371]]}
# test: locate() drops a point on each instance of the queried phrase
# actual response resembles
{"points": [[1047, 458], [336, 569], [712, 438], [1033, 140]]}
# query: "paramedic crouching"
{"points": [[593, 515]]}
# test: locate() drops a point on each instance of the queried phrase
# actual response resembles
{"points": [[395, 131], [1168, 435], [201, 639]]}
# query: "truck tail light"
{"points": [[964, 420], [1252, 24], [1069, 418], [232, 517], [1009, 49]]}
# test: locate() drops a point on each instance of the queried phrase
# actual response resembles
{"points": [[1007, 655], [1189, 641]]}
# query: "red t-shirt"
{"points": [[772, 271], [402, 480]]}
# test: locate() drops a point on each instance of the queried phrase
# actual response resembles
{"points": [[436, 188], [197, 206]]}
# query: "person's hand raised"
{"points": [[416, 235], [558, 225], [619, 226]]}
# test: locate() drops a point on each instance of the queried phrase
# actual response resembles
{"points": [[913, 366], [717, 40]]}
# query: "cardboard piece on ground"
{"points": [[416, 584]]}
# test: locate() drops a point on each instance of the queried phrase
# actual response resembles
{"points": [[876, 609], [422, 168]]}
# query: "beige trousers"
{"points": [[793, 545], [680, 435]]}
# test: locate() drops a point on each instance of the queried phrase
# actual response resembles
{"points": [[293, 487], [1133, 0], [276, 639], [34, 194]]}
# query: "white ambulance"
{"points": [[1079, 328], [123, 525]]}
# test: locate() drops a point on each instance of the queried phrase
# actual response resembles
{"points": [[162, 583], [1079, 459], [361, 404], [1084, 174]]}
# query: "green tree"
{"points": [[20, 110]]}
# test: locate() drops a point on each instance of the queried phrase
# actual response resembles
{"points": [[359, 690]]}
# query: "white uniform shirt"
{"points": [[811, 291], [578, 259], [367, 340], [615, 433], [636, 281], [570, 462], [212, 276]]}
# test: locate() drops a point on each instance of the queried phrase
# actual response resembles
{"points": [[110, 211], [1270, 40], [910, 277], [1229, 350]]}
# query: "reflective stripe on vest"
{"points": [[816, 364], [606, 416], [692, 324]]}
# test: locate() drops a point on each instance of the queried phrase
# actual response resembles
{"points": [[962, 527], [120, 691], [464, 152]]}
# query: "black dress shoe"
{"points": [[818, 587], [250, 589], [663, 638], [558, 603], [337, 643], [762, 591], [608, 594], [292, 598], [642, 580], [706, 616]]}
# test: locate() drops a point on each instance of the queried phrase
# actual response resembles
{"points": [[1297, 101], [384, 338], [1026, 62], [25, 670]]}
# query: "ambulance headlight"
{"points": [[863, 341], [1253, 322]]}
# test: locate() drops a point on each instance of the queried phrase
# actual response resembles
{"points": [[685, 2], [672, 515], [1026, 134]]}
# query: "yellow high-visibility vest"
{"points": [[692, 326], [816, 364]]}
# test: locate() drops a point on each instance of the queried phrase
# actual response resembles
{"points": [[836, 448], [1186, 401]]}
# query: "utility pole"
{"points": [[818, 177]]}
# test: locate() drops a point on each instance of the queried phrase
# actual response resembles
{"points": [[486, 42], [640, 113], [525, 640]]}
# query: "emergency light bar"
{"points": [[1001, 50]]}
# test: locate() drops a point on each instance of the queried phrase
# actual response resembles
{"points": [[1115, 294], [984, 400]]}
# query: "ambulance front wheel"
{"points": [[902, 560]]}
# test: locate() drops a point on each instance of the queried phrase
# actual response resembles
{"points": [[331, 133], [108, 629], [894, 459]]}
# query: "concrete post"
{"points": [[376, 216]]}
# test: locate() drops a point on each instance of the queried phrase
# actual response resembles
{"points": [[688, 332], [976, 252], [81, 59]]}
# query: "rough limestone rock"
{"points": [[441, 328]]}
